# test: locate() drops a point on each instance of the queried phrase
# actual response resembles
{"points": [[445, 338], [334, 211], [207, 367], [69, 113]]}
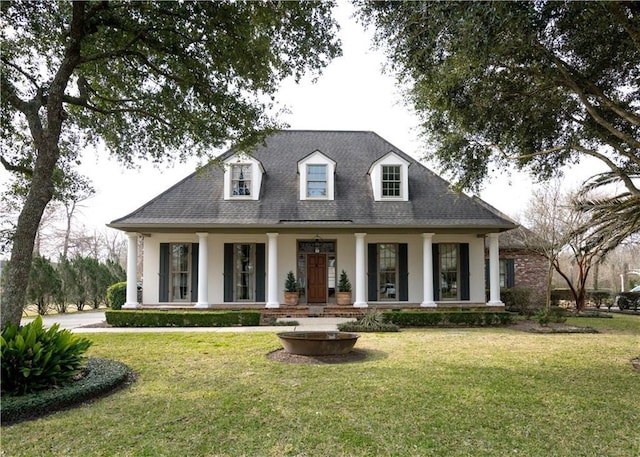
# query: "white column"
{"points": [[494, 271], [427, 271], [360, 298], [203, 271], [272, 271], [132, 273]]}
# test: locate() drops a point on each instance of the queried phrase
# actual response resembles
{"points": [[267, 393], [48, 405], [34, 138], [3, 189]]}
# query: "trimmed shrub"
{"points": [[135, 318], [447, 318], [34, 358], [117, 295], [100, 376], [600, 297], [516, 299]]}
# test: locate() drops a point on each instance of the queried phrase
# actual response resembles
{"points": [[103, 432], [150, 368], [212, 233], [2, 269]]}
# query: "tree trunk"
{"points": [[40, 193], [46, 137]]}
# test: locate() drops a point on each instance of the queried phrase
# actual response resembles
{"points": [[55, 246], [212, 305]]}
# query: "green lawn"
{"points": [[434, 392]]}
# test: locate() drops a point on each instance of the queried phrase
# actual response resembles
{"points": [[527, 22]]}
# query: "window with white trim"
{"points": [[449, 267], [317, 181], [391, 181], [241, 180], [179, 263], [244, 275], [387, 271]]}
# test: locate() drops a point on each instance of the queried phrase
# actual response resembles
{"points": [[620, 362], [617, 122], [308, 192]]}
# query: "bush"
{"points": [[34, 358], [117, 295], [371, 322], [551, 314], [134, 318], [600, 297], [447, 318], [516, 299], [100, 376]]}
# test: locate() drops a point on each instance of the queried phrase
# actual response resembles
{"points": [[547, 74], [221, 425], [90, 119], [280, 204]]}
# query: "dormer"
{"points": [[317, 177], [242, 178], [390, 178]]}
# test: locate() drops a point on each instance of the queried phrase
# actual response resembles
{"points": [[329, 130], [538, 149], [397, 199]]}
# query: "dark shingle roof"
{"points": [[197, 201]]}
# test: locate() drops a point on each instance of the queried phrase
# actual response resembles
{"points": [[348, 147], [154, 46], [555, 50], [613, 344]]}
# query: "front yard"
{"points": [[454, 392]]}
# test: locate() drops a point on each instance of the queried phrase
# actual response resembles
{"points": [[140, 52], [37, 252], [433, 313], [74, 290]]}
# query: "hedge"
{"points": [[447, 318], [101, 376], [135, 318]]}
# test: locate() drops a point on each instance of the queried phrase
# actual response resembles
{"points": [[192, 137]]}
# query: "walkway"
{"points": [[89, 321]]}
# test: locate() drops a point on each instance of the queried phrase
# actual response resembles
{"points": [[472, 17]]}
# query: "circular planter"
{"points": [[318, 343]]}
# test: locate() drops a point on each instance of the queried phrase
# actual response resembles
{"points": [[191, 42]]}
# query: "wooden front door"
{"points": [[316, 278]]}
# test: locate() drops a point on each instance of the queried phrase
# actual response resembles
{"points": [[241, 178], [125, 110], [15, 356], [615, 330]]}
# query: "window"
{"points": [[241, 180], [317, 181], [244, 277], [448, 271], [179, 272], [387, 271], [391, 181]]}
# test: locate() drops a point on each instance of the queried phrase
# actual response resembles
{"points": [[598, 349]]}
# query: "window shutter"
{"points": [[486, 274], [373, 272], [403, 272], [228, 272], [195, 254], [435, 252], [511, 273], [465, 293], [260, 272], [163, 280]]}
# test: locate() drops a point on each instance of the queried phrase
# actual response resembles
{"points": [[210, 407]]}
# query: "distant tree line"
{"points": [[80, 282]]}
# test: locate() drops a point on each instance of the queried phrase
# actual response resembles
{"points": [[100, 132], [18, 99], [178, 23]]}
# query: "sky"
{"points": [[353, 93]]}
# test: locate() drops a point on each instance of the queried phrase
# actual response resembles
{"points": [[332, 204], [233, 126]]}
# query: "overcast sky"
{"points": [[352, 94]]}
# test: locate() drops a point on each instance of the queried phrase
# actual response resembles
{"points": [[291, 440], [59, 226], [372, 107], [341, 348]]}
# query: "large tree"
{"points": [[154, 80], [536, 84]]}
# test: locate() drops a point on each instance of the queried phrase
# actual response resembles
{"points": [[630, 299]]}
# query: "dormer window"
{"points": [[391, 181], [390, 178], [317, 181], [317, 177], [241, 180]]}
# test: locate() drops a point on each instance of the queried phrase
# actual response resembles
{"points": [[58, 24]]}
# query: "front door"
{"points": [[316, 278]]}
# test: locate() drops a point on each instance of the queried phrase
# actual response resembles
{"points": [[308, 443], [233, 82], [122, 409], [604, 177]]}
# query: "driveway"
{"points": [[70, 321]]}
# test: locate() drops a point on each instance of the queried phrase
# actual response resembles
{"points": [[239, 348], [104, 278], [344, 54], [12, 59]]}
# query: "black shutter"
{"points": [[260, 272], [486, 274], [228, 272], [511, 273], [465, 293], [435, 252], [373, 272], [163, 280], [195, 254], [403, 272]]}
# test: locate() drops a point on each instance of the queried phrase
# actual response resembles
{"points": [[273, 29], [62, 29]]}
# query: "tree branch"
{"points": [[16, 168]]}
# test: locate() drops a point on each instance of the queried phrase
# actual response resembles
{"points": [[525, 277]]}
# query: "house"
{"points": [[315, 203]]}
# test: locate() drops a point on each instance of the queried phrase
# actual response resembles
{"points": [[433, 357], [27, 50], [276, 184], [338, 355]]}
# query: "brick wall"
{"points": [[530, 272]]}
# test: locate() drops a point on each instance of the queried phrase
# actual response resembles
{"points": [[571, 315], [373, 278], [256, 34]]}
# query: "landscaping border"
{"points": [[99, 377]]}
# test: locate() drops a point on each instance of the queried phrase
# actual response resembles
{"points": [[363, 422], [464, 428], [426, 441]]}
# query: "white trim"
{"points": [[494, 271], [375, 173], [317, 158], [257, 170], [203, 271], [427, 271], [132, 273], [360, 301], [272, 271]]}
